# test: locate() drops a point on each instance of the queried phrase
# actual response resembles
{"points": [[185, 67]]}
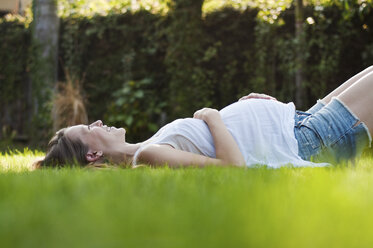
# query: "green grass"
{"points": [[212, 207]]}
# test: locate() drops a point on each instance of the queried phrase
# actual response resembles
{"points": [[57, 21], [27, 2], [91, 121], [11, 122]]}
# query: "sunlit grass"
{"points": [[212, 207], [17, 161]]}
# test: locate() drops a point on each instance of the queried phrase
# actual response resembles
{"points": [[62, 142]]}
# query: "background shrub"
{"points": [[141, 69]]}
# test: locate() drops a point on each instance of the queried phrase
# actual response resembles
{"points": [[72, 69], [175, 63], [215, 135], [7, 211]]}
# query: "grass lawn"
{"points": [[212, 207]]}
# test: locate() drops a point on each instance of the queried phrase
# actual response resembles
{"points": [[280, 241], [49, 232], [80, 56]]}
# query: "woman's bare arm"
{"points": [[226, 147], [227, 151], [155, 154]]}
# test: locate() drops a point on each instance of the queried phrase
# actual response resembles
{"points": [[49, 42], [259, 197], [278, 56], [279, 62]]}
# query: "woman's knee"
{"points": [[369, 77], [369, 69]]}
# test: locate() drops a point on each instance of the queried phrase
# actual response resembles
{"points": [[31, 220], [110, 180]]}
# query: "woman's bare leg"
{"points": [[346, 84], [358, 97]]}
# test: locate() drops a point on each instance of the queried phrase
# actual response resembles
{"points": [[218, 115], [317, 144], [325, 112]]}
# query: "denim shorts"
{"points": [[330, 133]]}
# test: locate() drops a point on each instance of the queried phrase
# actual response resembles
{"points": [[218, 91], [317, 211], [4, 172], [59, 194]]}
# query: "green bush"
{"points": [[137, 108], [14, 58], [111, 51]]}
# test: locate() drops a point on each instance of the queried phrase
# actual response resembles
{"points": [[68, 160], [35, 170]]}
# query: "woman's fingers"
{"points": [[198, 114], [206, 114], [257, 96], [201, 114]]}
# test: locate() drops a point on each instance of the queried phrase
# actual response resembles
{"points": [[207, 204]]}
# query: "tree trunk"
{"points": [[299, 88], [45, 35], [45, 28]]}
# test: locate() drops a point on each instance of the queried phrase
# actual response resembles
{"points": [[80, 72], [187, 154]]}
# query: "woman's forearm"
{"points": [[226, 148]]}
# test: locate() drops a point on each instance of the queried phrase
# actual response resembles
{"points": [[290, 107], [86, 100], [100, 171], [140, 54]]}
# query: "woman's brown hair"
{"points": [[63, 151]]}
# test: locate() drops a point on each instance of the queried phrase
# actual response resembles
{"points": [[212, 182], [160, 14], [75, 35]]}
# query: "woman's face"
{"points": [[98, 136]]}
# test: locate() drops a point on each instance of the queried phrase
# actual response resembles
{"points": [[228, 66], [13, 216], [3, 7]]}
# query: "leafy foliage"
{"points": [[137, 107], [14, 58], [144, 68]]}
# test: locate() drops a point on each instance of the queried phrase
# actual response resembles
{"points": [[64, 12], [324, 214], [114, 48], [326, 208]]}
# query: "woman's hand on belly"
{"points": [[226, 147], [257, 96], [207, 114]]}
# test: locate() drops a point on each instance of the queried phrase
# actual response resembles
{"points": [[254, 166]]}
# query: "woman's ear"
{"points": [[93, 156]]}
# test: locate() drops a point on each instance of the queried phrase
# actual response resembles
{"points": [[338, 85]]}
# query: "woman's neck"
{"points": [[130, 151], [126, 152], [122, 153]]}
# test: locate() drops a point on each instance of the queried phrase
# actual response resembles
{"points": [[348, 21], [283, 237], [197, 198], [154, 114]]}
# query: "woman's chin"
{"points": [[122, 133]]}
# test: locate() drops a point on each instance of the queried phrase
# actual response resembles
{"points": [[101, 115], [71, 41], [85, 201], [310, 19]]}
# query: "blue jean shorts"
{"points": [[330, 133]]}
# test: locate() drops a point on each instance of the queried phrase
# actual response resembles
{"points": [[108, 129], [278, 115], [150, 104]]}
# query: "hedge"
{"points": [[141, 70]]}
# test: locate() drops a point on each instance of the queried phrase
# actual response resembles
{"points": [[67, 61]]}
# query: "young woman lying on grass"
{"points": [[257, 129]]}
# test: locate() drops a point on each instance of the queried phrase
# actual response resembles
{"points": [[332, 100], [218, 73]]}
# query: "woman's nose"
{"points": [[97, 123]]}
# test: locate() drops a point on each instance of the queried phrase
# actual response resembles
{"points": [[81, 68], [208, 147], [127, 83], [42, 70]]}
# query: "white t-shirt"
{"points": [[262, 129]]}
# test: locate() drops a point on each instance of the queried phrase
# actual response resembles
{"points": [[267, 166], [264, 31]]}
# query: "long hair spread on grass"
{"points": [[63, 151]]}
